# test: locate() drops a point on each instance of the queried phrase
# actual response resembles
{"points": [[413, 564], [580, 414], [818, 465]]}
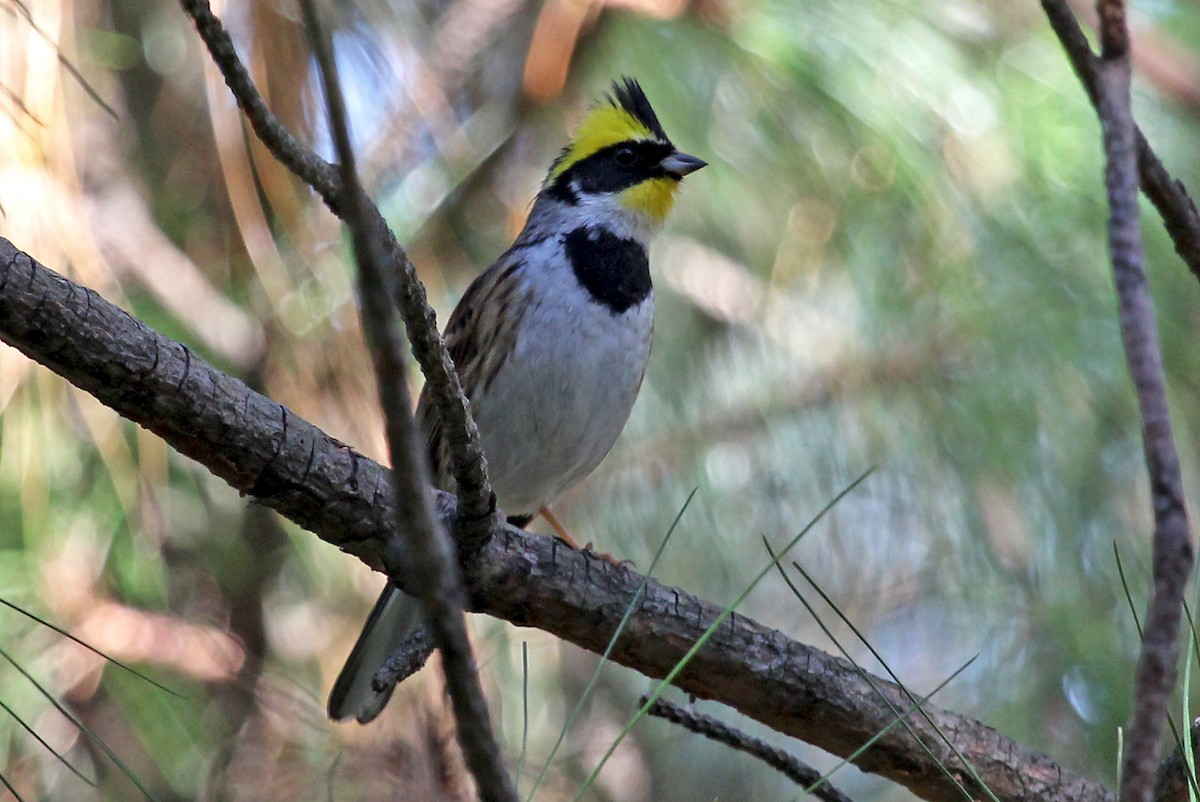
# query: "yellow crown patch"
{"points": [[603, 126]]}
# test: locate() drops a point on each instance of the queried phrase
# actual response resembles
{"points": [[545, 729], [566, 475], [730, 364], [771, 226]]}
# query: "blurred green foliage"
{"points": [[897, 259]]}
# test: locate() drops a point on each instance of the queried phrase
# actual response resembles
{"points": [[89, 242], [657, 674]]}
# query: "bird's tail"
{"points": [[394, 618]]}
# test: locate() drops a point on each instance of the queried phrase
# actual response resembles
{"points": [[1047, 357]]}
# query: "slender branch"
{"points": [[432, 561], [1168, 195], [1155, 677], [468, 464], [405, 661], [790, 766], [1130, 158], [263, 449]]}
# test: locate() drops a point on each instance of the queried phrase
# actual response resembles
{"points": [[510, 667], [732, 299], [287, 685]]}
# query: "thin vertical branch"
{"points": [[430, 560], [1172, 547]]}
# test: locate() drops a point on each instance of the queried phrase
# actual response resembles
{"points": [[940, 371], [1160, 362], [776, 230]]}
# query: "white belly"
{"points": [[559, 403]]}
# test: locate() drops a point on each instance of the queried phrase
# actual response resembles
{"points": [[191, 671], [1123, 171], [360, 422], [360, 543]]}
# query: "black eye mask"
{"points": [[613, 169]]}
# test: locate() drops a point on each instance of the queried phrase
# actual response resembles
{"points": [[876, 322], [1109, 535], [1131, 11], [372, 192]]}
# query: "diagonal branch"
{"points": [[264, 450], [1168, 195], [467, 460], [713, 729]]}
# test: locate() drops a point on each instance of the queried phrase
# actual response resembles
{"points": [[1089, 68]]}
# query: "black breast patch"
{"points": [[615, 271]]}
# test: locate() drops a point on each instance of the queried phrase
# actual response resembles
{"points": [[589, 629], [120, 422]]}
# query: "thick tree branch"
{"points": [[466, 456], [432, 564], [262, 449]]}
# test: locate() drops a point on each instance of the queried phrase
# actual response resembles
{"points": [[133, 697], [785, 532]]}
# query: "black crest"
{"points": [[628, 95]]}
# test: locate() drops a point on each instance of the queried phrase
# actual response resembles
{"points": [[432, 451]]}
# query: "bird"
{"points": [[550, 342]]}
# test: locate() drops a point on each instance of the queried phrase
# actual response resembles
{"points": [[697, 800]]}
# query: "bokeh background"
{"points": [[895, 260]]}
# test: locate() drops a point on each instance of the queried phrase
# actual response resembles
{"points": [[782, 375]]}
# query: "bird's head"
{"points": [[621, 163]]}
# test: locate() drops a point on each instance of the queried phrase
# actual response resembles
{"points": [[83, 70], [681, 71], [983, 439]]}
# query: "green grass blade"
{"points": [[1189, 752], [1187, 742], [703, 639], [92, 649], [1137, 622], [11, 790], [1175, 733], [93, 737], [60, 757], [918, 705], [612, 642], [524, 715], [1120, 753], [861, 672], [957, 753]]}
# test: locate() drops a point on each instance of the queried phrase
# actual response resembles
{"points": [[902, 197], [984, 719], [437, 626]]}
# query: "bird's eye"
{"points": [[625, 156]]}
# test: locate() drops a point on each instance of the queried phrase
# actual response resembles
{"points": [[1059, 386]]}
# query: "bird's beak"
{"points": [[680, 164]]}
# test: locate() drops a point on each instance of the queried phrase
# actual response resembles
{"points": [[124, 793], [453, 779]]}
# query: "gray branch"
{"points": [[789, 765], [264, 450]]}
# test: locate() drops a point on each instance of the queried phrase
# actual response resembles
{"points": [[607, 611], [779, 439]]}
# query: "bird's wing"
{"points": [[480, 335]]}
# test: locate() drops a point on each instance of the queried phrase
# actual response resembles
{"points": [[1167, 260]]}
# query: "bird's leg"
{"points": [[559, 529], [565, 537]]}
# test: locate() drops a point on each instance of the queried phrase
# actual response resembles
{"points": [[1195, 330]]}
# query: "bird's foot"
{"points": [[562, 534]]}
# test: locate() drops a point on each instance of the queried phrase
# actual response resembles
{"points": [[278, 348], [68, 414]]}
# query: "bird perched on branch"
{"points": [[550, 342]]}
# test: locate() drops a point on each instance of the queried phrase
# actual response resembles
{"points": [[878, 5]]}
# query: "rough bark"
{"points": [[264, 450]]}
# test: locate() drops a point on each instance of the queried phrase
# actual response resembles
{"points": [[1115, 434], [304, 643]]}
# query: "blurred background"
{"points": [[896, 259]]}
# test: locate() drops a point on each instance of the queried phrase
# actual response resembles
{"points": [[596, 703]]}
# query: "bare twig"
{"points": [[1168, 195], [264, 450], [405, 661], [1155, 677], [790, 766], [430, 558], [467, 461]]}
